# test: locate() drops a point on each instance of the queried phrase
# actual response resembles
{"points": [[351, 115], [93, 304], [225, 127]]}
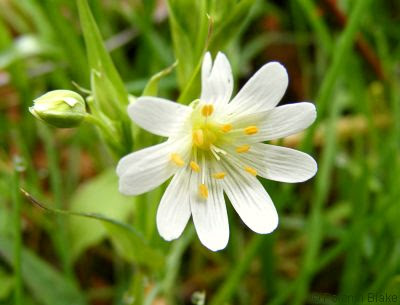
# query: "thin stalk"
{"points": [[16, 198], [107, 131], [152, 295], [316, 22], [346, 40], [174, 260], [57, 189], [227, 289]]}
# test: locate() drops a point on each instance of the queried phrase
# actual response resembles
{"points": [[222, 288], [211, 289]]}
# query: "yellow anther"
{"points": [[198, 137], [203, 191], [207, 110], [195, 167], [176, 158], [226, 128], [251, 170], [220, 175], [242, 149], [251, 130]]}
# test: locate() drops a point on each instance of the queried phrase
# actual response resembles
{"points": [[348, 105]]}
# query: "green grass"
{"points": [[338, 235]]}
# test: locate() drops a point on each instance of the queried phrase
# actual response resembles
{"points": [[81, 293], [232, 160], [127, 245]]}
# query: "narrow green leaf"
{"points": [[231, 25], [151, 88], [48, 286], [189, 32], [99, 59], [7, 284], [105, 97], [128, 241]]}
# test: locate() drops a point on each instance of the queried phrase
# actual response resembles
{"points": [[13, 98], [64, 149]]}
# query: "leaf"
{"points": [[230, 25], [189, 33], [104, 94], [99, 59], [48, 286], [128, 241], [151, 88], [7, 284], [100, 196], [132, 247]]}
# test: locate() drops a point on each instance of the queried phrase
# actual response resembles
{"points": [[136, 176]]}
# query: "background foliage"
{"points": [[338, 239]]}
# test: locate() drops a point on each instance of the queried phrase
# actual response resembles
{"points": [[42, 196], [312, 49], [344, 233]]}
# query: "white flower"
{"points": [[215, 146]]}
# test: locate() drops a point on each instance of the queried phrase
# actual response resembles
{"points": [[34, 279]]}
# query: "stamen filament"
{"points": [[218, 150], [214, 152], [203, 164]]}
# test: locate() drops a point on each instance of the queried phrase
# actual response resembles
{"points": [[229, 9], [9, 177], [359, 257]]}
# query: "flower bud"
{"points": [[60, 108]]}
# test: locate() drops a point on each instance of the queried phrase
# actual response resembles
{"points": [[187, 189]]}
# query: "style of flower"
{"points": [[214, 146]]}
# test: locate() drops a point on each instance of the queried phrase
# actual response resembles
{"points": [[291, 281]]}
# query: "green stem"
{"points": [[174, 261], [16, 198], [317, 24], [107, 132], [345, 42], [225, 292], [56, 188]]}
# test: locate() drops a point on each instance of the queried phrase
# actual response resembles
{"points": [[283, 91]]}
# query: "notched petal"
{"points": [[263, 90], [158, 116]]}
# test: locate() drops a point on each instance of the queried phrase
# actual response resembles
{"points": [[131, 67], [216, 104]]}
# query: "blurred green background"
{"points": [[338, 241]]}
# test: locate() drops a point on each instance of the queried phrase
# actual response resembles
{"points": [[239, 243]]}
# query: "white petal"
{"points": [[280, 163], [263, 91], [216, 82], [206, 66], [174, 210], [144, 170], [250, 200], [277, 123], [158, 116], [209, 215]]}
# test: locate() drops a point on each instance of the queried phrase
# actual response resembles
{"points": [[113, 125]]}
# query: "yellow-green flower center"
{"points": [[209, 136], [205, 131]]}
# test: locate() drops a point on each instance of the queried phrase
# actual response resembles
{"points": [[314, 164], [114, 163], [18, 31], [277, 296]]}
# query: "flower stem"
{"points": [[333, 108], [56, 183], [106, 131], [174, 261], [225, 292], [16, 198]]}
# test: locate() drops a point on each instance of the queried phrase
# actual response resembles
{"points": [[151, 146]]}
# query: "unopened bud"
{"points": [[60, 108]]}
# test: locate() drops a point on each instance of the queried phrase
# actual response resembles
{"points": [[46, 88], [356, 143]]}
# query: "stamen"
{"points": [[251, 130], [242, 149], [220, 175], [195, 167], [198, 137], [218, 150], [226, 128], [176, 158], [250, 170], [203, 191], [207, 110], [215, 154], [203, 172]]}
